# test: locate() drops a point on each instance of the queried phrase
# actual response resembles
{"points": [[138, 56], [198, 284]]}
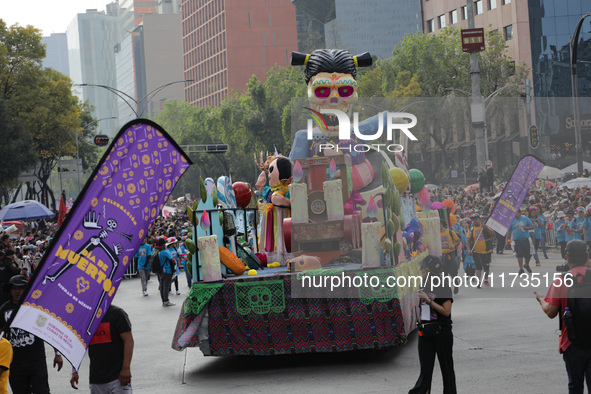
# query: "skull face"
{"points": [[260, 300], [332, 91], [112, 224]]}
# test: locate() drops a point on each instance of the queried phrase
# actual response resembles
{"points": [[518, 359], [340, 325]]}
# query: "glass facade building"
{"points": [[552, 22]]}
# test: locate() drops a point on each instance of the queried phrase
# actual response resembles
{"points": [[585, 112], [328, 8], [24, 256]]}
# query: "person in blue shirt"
{"points": [[168, 268], [587, 229], [143, 264], [560, 226], [519, 229], [576, 225], [171, 245], [544, 225]]}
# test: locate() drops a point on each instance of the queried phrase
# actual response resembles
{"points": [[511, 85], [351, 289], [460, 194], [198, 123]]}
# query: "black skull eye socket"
{"points": [[254, 298], [271, 169], [265, 298]]}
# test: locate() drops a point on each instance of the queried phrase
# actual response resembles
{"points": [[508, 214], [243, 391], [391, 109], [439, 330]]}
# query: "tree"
{"points": [[427, 66], [41, 107]]}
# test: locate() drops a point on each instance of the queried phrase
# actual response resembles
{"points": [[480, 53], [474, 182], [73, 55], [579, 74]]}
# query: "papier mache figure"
{"points": [[331, 78], [274, 205]]}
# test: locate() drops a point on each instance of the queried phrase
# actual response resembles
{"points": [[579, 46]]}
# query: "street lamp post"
{"points": [[574, 42], [140, 104], [78, 151], [486, 103]]}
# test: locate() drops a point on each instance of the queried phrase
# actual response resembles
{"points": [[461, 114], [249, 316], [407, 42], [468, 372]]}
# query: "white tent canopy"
{"points": [[577, 182], [551, 173], [573, 167]]}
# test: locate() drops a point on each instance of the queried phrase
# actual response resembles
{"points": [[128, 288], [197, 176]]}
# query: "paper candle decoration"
{"points": [[209, 256], [333, 195], [370, 244], [299, 202]]}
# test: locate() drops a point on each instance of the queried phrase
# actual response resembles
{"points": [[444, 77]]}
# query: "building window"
{"points": [[249, 19], [270, 20], [478, 7], [453, 17], [506, 2], [430, 26], [508, 30], [492, 4], [441, 21], [464, 13]]}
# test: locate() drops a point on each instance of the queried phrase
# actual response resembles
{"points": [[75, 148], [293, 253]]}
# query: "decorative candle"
{"points": [[298, 193], [209, 257], [333, 195], [370, 244]]}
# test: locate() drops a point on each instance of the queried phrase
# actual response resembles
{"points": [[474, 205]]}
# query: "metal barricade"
{"points": [[551, 239], [131, 269]]}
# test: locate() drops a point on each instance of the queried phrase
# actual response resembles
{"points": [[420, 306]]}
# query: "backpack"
{"points": [[579, 302], [155, 262]]}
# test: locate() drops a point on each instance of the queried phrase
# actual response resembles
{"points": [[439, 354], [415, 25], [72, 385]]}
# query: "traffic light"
{"points": [[534, 137], [101, 140]]}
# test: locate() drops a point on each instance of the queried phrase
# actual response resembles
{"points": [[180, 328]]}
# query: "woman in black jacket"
{"points": [[436, 337]]}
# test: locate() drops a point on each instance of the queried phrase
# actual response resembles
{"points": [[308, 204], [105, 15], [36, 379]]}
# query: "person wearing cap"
{"points": [[576, 225], [560, 226], [168, 268], [519, 229], [28, 370], [577, 357], [436, 303], [171, 245], [479, 250]]}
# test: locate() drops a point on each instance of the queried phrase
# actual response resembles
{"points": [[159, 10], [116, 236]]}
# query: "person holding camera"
{"points": [[435, 329], [576, 352]]}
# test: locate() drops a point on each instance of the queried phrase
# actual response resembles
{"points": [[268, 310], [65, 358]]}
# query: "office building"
{"points": [[56, 52], [92, 37], [225, 42]]}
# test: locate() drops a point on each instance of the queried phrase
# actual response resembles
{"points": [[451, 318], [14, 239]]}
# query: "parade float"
{"points": [[320, 215]]}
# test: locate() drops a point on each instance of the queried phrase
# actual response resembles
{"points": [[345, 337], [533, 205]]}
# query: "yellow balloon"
{"points": [[400, 179]]}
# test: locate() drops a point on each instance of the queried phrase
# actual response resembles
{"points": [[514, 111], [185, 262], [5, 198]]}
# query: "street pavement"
{"points": [[501, 345]]}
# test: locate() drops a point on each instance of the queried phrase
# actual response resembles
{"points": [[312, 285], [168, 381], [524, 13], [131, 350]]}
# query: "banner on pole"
{"points": [[79, 275], [523, 177]]}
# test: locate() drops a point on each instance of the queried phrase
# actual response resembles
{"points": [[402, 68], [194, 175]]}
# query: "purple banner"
{"points": [[523, 177], [81, 271]]}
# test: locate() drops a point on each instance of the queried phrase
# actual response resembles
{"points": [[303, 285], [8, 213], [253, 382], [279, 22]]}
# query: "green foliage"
{"points": [[41, 116]]}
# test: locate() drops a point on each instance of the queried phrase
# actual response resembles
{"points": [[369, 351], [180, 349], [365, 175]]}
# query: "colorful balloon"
{"points": [[243, 194], [424, 199], [417, 180], [400, 179]]}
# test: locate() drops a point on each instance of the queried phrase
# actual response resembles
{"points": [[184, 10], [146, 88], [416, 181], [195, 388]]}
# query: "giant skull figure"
{"points": [[331, 78]]}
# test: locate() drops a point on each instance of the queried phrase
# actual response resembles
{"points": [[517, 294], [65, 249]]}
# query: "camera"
{"points": [[562, 268]]}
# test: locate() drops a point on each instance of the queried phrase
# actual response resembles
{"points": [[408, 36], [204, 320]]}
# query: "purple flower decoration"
{"points": [[437, 205]]}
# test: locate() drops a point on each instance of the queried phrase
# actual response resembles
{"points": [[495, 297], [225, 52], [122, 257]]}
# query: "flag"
{"points": [[506, 208], [61, 211], [79, 274]]}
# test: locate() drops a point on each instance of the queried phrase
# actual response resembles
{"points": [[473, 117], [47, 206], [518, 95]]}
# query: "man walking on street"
{"points": [[110, 352], [143, 265], [167, 266], [520, 231]]}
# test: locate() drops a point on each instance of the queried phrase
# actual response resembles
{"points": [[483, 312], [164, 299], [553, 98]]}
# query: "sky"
{"points": [[46, 15]]}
